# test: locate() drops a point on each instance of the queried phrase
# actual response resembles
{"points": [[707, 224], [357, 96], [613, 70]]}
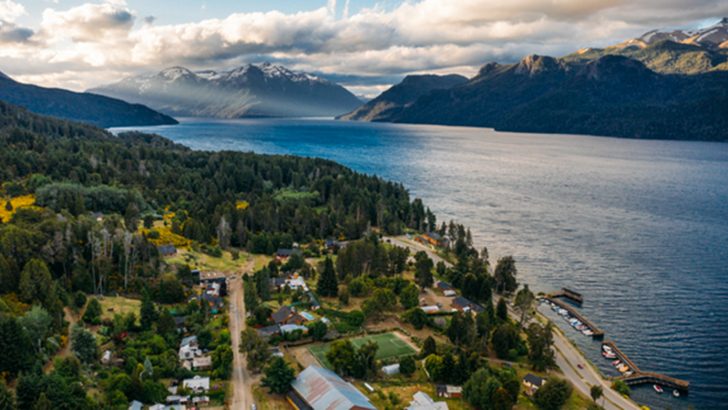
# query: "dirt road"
{"points": [[242, 381]]}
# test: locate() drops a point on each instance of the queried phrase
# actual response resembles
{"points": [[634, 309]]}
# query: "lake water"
{"points": [[640, 228]]}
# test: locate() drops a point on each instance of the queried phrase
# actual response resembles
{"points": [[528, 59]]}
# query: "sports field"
{"points": [[389, 346]]}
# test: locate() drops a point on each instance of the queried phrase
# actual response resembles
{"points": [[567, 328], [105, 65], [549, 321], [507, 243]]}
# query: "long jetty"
{"points": [[597, 332], [639, 376]]}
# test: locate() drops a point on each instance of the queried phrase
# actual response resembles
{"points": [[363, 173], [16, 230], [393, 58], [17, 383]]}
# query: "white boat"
{"points": [[616, 362], [657, 388], [628, 373], [609, 355], [563, 312], [675, 393], [606, 348], [587, 332]]}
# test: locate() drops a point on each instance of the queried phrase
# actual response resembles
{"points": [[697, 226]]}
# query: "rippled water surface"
{"points": [[639, 227]]}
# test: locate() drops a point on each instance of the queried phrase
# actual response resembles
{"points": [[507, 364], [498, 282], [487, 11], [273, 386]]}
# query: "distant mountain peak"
{"points": [[536, 64], [261, 89]]}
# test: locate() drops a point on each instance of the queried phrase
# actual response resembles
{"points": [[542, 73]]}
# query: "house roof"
{"points": [[323, 389], [444, 285], [136, 405], [288, 252], [188, 341], [422, 401], [282, 314], [534, 380], [268, 330], [463, 303]]}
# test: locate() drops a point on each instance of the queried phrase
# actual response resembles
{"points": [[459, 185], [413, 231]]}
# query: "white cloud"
{"points": [[375, 43], [10, 10]]}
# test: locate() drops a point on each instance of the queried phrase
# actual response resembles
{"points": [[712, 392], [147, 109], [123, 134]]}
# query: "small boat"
{"points": [[587, 332], [609, 355], [616, 363], [658, 389], [675, 393], [628, 373], [623, 368], [606, 348]]}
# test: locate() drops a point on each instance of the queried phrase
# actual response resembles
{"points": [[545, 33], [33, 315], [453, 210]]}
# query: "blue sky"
{"points": [[365, 44]]}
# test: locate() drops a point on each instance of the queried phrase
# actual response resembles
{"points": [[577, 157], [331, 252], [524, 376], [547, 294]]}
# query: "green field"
{"points": [[390, 346]]}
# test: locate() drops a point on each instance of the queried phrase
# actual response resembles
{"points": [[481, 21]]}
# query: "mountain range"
{"points": [[85, 107], [634, 95], [671, 52], [264, 90]]}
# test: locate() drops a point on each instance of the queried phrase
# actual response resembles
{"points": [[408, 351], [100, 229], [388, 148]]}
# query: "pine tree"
{"points": [[148, 315], [328, 285], [278, 376]]}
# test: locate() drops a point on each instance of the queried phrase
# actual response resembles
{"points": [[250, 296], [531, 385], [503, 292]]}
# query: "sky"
{"points": [[366, 45]]}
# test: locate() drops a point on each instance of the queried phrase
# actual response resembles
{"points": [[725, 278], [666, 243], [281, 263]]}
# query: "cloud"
{"points": [[87, 23], [372, 46], [10, 10]]}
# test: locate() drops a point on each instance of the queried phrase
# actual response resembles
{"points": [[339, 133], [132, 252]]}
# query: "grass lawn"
{"points": [[111, 305], [206, 263], [390, 346]]}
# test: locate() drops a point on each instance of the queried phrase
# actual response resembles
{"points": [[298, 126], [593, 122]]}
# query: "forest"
{"points": [[93, 206]]}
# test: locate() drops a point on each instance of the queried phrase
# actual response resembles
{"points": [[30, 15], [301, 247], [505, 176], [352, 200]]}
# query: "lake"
{"points": [[640, 228]]}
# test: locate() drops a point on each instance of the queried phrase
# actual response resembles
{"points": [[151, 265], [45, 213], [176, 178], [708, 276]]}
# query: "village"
{"points": [[294, 321]]}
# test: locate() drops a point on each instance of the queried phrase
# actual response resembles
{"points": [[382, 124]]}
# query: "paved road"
{"points": [[567, 356], [242, 381]]}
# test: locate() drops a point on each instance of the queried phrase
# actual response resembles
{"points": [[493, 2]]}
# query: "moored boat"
{"points": [[609, 355], [658, 389], [675, 393]]}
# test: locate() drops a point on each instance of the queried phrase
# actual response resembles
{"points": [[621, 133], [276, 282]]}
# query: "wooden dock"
{"points": [[598, 333], [643, 377], [567, 293]]}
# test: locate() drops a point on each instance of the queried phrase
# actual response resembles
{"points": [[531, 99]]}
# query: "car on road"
{"points": [[581, 366]]}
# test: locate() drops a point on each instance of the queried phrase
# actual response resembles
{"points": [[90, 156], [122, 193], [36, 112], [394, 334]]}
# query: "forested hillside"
{"points": [[77, 205]]}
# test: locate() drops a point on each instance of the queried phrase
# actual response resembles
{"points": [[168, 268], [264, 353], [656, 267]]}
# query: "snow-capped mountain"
{"points": [[265, 90], [714, 36]]}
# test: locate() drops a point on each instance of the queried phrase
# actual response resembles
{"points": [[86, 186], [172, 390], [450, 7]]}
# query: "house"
{"points": [[313, 300], [446, 289], [216, 303], [167, 250], [317, 388], [266, 333], [531, 383], [282, 315], [168, 407], [197, 384], [202, 363], [188, 352], [464, 305], [179, 322], [106, 357], [422, 401], [275, 351], [189, 341], [391, 370], [285, 253], [448, 391], [295, 282], [292, 328], [433, 239], [200, 400], [431, 309], [136, 405]]}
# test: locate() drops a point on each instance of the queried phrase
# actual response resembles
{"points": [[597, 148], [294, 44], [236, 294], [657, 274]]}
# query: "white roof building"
{"points": [[422, 401], [197, 384], [390, 370]]}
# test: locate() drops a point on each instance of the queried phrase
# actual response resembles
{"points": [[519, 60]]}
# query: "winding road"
{"points": [[568, 357]]}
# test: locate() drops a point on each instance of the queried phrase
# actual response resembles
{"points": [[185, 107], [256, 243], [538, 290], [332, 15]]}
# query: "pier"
{"points": [[567, 293], [598, 333], [642, 377]]}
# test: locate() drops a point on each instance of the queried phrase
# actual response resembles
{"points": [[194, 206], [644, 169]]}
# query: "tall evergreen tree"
{"points": [[147, 313], [328, 285], [278, 376]]}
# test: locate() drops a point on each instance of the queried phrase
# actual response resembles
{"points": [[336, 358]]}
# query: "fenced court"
{"points": [[390, 346]]}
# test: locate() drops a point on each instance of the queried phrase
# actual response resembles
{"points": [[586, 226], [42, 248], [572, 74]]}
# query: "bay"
{"points": [[640, 228]]}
